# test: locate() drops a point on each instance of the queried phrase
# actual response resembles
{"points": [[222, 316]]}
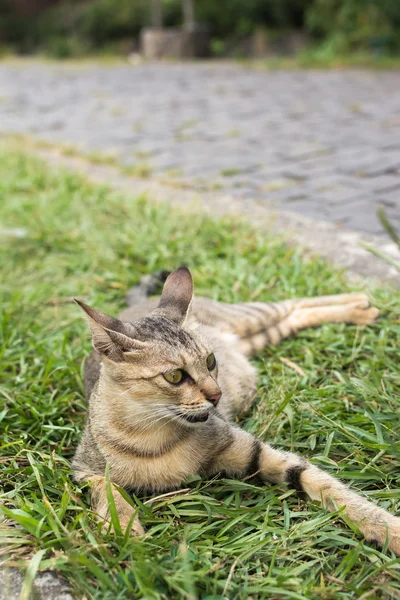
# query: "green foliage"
{"points": [[107, 19], [214, 539], [74, 27], [349, 25], [236, 17], [96, 22]]}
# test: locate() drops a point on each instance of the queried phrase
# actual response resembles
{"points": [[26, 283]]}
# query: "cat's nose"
{"points": [[215, 398]]}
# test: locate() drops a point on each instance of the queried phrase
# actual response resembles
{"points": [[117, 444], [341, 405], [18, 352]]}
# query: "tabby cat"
{"points": [[167, 378]]}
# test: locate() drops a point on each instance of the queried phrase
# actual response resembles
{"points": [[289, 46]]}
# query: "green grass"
{"points": [[230, 172], [216, 539], [323, 58], [319, 57], [140, 169]]}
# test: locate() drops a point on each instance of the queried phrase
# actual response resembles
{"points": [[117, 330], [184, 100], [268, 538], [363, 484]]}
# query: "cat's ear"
{"points": [[177, 295], [110, 336]]}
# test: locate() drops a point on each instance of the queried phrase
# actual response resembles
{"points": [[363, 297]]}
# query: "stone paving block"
{"points": [[308, 207], [386, 183], [289, 194], [335, 195], [390, 200], [328, 182], [357, 214], [374, 166], [47, 586]]}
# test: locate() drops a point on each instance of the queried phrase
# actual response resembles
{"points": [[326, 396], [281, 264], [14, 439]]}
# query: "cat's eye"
{"points": [[174, 376], [211, 362]]}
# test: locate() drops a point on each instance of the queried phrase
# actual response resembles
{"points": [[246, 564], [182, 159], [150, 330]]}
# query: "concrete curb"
{"points": [[338, 245]]}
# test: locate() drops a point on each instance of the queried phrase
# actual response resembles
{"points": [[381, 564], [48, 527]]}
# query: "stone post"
{"points": [[189, 41], [156, 14], [188, 14]]}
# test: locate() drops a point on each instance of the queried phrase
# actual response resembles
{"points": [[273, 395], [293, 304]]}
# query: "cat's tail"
{"points": [[147, 286]]}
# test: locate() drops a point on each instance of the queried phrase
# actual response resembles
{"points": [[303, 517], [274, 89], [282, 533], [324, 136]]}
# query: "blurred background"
{"points": [[322, 29], [220, 97]]}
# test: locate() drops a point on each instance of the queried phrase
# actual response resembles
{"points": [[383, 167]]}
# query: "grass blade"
{"points": [[31, 571], [114, 517], [388, 227]]}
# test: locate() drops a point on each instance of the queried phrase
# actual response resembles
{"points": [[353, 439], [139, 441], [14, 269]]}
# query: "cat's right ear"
{"points": [[110, 336], [177, 295]]}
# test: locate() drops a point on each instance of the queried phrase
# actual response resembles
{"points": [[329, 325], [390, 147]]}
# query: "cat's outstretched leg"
{"points": [[312, 312], [333, 300], [246, 456]]}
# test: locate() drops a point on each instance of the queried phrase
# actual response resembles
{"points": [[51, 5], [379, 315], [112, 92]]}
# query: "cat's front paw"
{"points": [[136, 527], [362, 313], [394, 535], [126, 512]]}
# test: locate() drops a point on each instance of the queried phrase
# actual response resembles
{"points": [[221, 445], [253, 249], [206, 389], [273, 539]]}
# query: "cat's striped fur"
{"points": [[153, 434]]}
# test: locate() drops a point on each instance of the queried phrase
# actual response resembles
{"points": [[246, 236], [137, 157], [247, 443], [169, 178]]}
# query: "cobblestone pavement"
{"points": [[322, 144]]}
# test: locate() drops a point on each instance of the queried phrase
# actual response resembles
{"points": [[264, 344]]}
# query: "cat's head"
{"points": [[159, 365]]}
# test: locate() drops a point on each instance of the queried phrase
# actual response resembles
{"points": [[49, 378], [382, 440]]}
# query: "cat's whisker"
{"points": [[125, 392], [171, 419], [153, 421], [128, 390], [174, 417], [152, 418], [145, 416], [137, 414]]}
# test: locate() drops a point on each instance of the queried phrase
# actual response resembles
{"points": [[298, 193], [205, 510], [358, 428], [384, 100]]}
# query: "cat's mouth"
{"points": [[196, 418], [193, 417]]}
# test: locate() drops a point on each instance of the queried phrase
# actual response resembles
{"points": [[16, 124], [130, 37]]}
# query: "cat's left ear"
{"points": [[111, 337], [177, 295]]}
